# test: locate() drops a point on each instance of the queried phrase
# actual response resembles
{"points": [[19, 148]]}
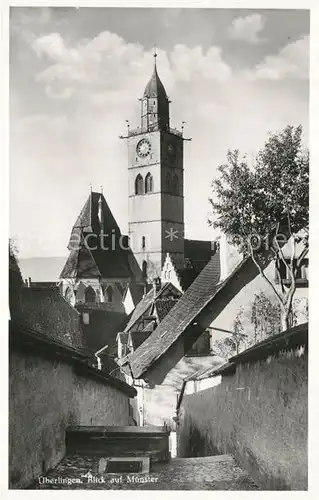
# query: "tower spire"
{"points": [[155, 103]]}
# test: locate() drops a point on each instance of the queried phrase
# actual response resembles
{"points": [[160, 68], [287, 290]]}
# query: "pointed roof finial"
{"points": [[155, 55], [90, 188], [101, 187]]}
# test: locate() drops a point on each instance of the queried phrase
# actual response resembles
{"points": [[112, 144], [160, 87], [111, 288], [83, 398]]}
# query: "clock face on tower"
{"points": [[143, 148]]}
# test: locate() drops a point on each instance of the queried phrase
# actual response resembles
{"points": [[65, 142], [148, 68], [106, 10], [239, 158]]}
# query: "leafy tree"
{"points": [[265, 316], [13, 247], [238, 337], [261, 208], [224, 347], [232, 344]]}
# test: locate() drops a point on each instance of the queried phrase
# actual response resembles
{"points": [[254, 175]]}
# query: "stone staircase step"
{"points": [[116, 441]]}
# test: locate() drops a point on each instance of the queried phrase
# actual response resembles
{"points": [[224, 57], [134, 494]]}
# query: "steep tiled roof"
{"points": [[88, 257], [138, 338], [163, 307], [197, 254], [44, 310], [80, 264], [88, 220], [141, 308], [112, 263], [154, 87], [146, 303], [181, 316]]}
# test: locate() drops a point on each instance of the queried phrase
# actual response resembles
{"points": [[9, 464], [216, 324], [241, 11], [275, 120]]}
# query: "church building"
{"points": [[103, 264]]}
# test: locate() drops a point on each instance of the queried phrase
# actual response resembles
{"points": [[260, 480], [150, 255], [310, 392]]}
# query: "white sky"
{"points": [[75, 75]]}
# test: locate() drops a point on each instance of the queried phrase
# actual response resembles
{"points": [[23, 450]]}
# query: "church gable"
{"points": [[169, 273], [98, 249]]}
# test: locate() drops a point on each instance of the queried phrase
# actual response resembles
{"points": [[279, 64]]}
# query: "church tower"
{"points": [[156, 184]]}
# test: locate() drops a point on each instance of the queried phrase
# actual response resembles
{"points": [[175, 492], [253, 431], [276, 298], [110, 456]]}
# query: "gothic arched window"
{"points": [[149, 183], [139, 185], [109, 294], [175, 185], [90, 295], [168, 182]]}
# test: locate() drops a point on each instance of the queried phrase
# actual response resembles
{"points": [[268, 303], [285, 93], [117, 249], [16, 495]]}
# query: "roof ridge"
{"points": [[217, 286]]}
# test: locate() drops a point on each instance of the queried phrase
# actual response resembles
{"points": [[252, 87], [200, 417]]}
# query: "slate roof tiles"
{"points": [[178, 319], [88, 258]]}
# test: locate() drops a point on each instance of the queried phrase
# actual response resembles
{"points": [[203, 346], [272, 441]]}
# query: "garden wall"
{"points": [[258, 413]]}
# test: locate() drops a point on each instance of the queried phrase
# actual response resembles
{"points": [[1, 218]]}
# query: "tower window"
{"points": [[139, 185], [90, 295], [143, 242], [175, 185], [149, 183], [109, 294], [168, 182]]}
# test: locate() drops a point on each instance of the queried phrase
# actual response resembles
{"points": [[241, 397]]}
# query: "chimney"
{"points": [[29, 282], [156, 285]]}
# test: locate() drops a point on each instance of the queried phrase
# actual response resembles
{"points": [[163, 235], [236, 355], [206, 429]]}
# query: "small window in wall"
{"points": [[149, 183], [86, 318], [109, 294], [139, 185]]}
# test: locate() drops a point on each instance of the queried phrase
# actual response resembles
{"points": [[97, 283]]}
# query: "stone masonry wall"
{"points": [[46, 396], [259, 415]]}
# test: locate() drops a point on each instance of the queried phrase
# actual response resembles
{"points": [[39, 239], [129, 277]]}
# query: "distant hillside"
{"points": [[42, 268]]}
